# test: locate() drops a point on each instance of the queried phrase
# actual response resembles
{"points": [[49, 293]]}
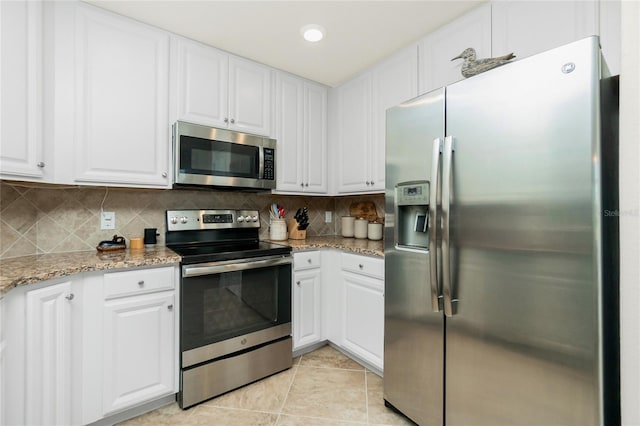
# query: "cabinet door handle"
{"points": [[40, 165], [226, 120], [164, 174], [302, 184], [140, 283], [306, 184], [233, 120], [69, 296], [170, 307], [298, 282]]}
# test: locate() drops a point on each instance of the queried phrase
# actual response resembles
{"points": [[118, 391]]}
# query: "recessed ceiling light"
{"points": [[312, 32]]}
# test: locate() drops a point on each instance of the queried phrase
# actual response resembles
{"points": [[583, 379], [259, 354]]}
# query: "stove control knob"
{"points": [[184, 219], [174, 220], [241, 219], [254, 218]]}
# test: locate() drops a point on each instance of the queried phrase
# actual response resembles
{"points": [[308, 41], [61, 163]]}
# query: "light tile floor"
{"points": [[323, 388]]}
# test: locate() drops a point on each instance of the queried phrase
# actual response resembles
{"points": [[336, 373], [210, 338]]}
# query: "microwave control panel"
{"points": [[269, 164]]}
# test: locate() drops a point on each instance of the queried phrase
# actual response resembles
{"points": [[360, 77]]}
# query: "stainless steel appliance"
{"points": [[501, 247], [206, 156], [235, 299]]}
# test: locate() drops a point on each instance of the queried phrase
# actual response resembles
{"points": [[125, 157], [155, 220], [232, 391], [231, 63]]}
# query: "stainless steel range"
{"points": [[235, 316]]}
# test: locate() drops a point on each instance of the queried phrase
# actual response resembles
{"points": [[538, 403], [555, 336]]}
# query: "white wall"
{"points": [[630, 212]]}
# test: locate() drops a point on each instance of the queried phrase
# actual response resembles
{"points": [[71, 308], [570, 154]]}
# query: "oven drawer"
{"points": [[118, 284], [306, 260], [363, 265]]}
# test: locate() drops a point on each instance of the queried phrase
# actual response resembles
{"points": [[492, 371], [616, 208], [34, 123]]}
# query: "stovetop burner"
{"points": [[201, 236]]}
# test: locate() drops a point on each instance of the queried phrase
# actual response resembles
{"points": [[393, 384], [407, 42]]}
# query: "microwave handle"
{"points": [[261, 163]]}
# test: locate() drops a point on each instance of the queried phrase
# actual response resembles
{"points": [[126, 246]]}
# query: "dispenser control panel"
{"points": [[412, 194]]}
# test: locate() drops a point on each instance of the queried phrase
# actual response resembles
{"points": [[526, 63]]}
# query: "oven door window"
{"points": [[221, 306], [217, 158]]}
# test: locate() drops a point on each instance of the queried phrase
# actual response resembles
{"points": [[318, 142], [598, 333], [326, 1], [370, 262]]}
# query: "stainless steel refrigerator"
{"points": [[501, 247]]}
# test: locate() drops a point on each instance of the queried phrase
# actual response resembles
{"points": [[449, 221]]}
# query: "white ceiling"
{"points": [[358, 33]]}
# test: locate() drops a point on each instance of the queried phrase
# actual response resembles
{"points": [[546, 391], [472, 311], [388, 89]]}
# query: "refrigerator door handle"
{"points": [[436, 290], [447, 160]]}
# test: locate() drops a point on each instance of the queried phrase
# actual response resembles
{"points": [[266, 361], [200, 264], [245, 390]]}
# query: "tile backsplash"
{"points": [[38, 218]]}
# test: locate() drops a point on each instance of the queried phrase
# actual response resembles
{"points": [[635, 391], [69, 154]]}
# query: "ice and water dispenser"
{"points": [[412, 215]]}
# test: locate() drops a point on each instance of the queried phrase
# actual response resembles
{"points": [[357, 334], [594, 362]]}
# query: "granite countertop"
{"points": [[26, 270], [353, 245]]}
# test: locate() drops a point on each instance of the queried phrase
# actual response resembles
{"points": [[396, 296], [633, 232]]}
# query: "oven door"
{"points": [[233, 305], [218, 157]]}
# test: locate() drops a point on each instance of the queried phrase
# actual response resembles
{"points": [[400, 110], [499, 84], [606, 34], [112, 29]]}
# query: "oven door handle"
{"points": [[234, 265]]}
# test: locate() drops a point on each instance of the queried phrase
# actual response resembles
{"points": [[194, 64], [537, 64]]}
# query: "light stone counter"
{"points": [[32, 269], [27, 270], [353, 245]]}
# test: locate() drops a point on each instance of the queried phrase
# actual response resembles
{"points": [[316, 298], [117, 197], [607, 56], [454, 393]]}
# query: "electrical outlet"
{"points": [[327, 217], [108, 220]]}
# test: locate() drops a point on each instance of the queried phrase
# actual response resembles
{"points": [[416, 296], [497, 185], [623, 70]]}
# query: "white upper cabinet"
{"points": [[301, 132], [217, 89], [21, 141], [116, 72], [394, 81], [362, 104], [439, 47], [202, 89], [529, 27]]}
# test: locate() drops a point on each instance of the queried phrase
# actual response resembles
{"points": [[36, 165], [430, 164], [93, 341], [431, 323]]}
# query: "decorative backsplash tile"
{"points": [[38, 218]]}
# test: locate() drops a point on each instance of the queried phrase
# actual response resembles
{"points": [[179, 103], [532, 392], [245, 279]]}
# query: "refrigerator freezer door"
{"points": [[523, 345], [414, 340]]}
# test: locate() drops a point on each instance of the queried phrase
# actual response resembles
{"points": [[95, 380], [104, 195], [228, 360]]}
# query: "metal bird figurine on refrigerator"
{"points": [[472, 66]]}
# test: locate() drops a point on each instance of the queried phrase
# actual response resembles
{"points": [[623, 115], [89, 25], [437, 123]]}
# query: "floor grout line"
{"points": [[366, 395], [295, 373]]}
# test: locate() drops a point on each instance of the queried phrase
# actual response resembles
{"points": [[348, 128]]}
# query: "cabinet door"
{"points": [[21, 149], [202, 90], [315, 135], [138, 350], [439, 47], [529, 27], [394, 81], [306, 308], [250, 101], [363, 320], [48, 355], [354, 131], [121, 92], [290, 133]]}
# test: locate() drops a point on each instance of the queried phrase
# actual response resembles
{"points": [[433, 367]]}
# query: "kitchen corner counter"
{"points": [[353, 245], [26, 270]]}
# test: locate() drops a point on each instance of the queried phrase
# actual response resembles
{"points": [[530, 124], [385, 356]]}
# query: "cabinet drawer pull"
{"points": [[40, 165], [141, 283], [164, 174], [309, 260], [69, 296], [361, 266], [170, 307]]}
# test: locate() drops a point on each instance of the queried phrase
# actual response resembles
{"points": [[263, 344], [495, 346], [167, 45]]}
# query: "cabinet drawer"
{"points": [[306, 260], [117, 284], [363, 265]]}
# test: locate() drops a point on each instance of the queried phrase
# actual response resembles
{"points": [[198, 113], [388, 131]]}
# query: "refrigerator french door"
{"points": [[495, 276]]}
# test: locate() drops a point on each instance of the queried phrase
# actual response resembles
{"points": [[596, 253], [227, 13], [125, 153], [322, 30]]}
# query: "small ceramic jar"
{"points": [[347, 226], [360, 228], [374, 231]]}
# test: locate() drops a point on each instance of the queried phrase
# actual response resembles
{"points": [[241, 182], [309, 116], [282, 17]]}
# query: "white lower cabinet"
{"points": [[139, 339], [48, 344], [139, 346], [77, 352], [363, 307], [307, 287]]}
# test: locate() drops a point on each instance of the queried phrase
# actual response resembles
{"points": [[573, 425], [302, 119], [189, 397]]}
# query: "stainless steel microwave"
{"points": [[206, 156]]}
